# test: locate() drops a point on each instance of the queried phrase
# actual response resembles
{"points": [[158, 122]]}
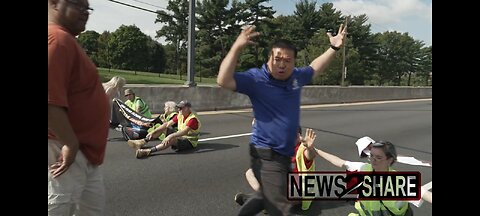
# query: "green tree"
{"points": [[394, 49], [89, 41], [157, 58], [104, 57], [170, 66], [175, 30], [317, 46], [425, 65], [413, 59], [361, 41], [287, 28], [212, 45], [254, 12], [128, 48], [307, 20], [330, 18]]}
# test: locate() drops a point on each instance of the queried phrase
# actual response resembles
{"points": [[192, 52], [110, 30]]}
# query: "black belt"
{"points": [[266, 153]]}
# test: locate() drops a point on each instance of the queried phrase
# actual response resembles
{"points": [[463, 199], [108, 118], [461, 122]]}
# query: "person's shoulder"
{"points": [[303, 69], [58, 31], [252, 71], [57, 34]]}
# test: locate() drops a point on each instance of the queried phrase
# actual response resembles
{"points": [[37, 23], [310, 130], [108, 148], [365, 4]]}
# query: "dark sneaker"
{"points": [[240, 198]]}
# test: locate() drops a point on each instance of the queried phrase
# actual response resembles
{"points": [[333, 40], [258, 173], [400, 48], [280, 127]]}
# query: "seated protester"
{"points": [[169, 112], [302, 161], [137, 104], [382, 156], [112, 90], [135, 131], [185, 138]]}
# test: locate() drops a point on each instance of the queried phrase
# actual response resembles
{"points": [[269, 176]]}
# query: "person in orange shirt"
{"points": [[78, 116]]}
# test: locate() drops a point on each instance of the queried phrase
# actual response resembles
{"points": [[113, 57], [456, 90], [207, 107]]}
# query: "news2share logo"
{"points": [[354, 186]]}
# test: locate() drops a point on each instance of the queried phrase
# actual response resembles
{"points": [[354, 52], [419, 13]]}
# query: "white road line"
{"points": [[224, 137]]}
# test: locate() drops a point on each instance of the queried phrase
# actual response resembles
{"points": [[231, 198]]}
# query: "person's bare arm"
{"points": [[321, 63], [60, 126], [227, 67], [331, 158], [156, 133]]}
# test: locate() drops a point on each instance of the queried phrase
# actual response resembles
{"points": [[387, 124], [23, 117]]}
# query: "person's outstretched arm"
{"points": [[331, 158], [321, 63], [227, 68]]}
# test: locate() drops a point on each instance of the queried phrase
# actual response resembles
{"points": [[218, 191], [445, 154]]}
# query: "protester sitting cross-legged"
{"points": [[137, 104], [112, 89], [169, 112], [185, 138], [134, 130]]}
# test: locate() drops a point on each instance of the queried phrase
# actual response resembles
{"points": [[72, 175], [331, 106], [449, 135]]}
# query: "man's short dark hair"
{"points": [[285, 44]]}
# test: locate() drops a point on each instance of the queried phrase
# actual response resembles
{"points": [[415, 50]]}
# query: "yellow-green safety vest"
{"points": [[144, 110], [301, 167], [167, 119], [192, 135], [375, 207]]}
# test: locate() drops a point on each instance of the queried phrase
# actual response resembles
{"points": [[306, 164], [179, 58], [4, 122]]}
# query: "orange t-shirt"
{"points": [[74, 83]]}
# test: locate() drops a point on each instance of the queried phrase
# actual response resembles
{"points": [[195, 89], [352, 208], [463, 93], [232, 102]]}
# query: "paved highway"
{"points": [[204, 181]]}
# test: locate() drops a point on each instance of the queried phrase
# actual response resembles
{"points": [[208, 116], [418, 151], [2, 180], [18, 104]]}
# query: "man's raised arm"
{"points": [[321, 63], [227, 68]]}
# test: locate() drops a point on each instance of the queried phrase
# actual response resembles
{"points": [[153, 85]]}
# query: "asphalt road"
{"points": [[204, 181]]}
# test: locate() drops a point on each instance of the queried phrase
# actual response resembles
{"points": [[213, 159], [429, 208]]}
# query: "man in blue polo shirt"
{"points": [[274, 91]]}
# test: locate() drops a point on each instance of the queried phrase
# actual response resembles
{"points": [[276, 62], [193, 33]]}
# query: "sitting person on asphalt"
{"points": [[185, 138], [169, 112], [302, 161], [132, 130], [112, 89], [137, 104], [382, 156]]}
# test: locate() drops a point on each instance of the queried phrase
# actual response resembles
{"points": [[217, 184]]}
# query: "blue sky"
{"points": [[412, 16]]}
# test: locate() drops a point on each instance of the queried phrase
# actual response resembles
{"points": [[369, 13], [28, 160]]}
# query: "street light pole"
{"points": [[344, 69], [344, 72], [191, 45]]}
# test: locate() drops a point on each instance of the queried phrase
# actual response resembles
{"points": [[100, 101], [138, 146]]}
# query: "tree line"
{"points": [[387, 58]]}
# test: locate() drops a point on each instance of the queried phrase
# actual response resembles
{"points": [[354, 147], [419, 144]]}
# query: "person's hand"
{"points": [[246, 37], [309, 138], [338, 39], [149, 136], [66, 158], [167, 140]]}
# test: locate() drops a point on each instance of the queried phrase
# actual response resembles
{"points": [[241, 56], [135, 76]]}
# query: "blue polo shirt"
{"points": [[276, 106]]}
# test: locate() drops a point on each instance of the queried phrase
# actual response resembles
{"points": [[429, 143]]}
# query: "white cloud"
{"points": [[412, 16], [386, 11]]}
